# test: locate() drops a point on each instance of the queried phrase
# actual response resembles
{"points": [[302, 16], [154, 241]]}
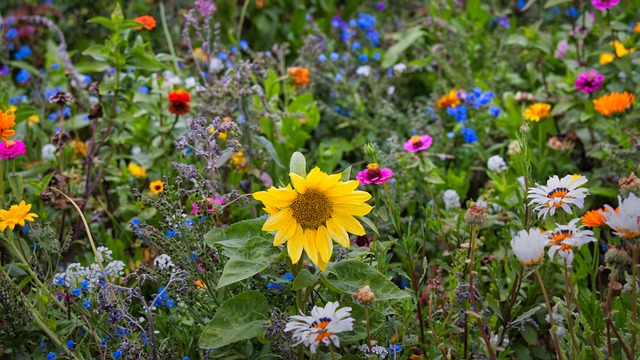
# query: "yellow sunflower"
{"points": [[319, 210]]}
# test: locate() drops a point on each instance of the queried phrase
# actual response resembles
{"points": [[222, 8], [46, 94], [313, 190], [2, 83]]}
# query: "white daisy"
{"points": [[565, 238], [528, 246], [625, 221], [322, 326], [558, 193]]}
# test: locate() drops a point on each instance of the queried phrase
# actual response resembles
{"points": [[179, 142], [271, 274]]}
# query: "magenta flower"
{"points": [[417, 143], [12, 148], [196, 207], [374, 175], [589, 82], [604, 4]]}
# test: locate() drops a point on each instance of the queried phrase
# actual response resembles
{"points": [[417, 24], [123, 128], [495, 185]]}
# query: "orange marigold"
{"points": [[537, 112], [7, 120], [448, 100], [179, 102], [148, 21], [613, 103], [593, 218], [300, 75]]}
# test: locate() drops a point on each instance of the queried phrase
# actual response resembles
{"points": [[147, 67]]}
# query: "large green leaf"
{"points": [[407, 39], [239, 318], [235, 235], [254, 256], [348, 276]]}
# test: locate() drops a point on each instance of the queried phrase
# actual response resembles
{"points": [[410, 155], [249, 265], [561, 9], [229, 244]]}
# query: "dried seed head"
{"points": [[629, 184], [475, 215], [364, 296], [61, 98]]}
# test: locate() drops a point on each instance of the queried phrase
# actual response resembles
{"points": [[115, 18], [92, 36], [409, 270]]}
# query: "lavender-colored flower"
{"points": [[589, 81], [381, 6], [561, 49], [205, 7], [604, 4]]}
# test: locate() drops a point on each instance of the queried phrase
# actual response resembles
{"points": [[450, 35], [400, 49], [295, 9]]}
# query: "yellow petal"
{"points": [[299, 183], [294, 245], [278, 221], [324, 245], [309, 244], [338, 233], [355, 197], [284, 234], [352, 209], [342, 189], [275, 197], [349, 223], [328, 182], [314, 177]]}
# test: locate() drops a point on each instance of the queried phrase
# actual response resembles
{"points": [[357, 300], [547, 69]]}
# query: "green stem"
{"points": [[366, 318], [167, 35], [634, 298], [243, 13], [392, 209], [567, 295], [2, 184], [556, 343]]}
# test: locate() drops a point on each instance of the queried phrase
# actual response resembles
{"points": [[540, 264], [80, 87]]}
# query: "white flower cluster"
{"points": [[451, 199], [48, 152], [104, 254], [496, 163], [75, 273], [376, 350], [163, 262], [364, 70]]}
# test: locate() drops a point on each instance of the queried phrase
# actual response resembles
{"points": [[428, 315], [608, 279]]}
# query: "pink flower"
{"points": [[374, 175], [561, 49], [12, 148], [604, 4], [417, 143], [196, 208], [589, 82]]}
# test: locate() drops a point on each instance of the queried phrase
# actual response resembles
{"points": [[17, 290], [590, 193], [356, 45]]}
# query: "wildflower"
{"points": [[604, 4], [23, 52], [417, 143], [86, 304], [625, 221], [33, 119], [620, 49], [288, 277], [79, 148], [51, 355], [322, 326], [11, 148], [364, 296], [564, 238], [23, 76], [374, 175], [589, 82], [494, 111], [606, 58], [395, 349], [48, 152], [528, 246], [449, 100], [558, 193], [16, 215], [147, 21], [320, 209], [476, 214], [629, 184], [459, 113], [613, 103], [300, 75], [117, 354], [561, 49], [362, 241], [594, 218], [469, 135], [70, 344], [61, 98], [7, 120], [637, 27], [137, 171], [399, 68], [496, 163], [238, 159], [156, 186], [364, 70], [179, 102], [376, 350], [537, 112], [451, 199], [163, 262]]}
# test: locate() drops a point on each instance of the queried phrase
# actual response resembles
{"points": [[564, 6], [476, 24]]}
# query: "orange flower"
{"points": [[450, 99], [179, 102], [593, 218], [148, 21], [613, 103], [537, 112], [7, 120], [300, 75]]}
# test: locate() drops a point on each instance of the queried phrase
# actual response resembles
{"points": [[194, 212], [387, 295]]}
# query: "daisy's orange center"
{"points": [[558, 193], [322, 325], [559, 236], [312, 209], [566, 247]]}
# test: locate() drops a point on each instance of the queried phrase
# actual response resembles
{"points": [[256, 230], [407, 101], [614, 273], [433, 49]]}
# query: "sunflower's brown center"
{"points": [[312, 209]]}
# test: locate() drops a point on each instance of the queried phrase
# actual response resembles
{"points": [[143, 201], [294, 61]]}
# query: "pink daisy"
{"points": [[374, 175], [589, 82], [417, 143]]}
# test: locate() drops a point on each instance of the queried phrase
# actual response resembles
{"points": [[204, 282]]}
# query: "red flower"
{"points": [[179, 102], [147, 21]]}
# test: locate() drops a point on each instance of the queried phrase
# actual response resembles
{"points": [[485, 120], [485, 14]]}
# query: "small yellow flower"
{"points": [[238, 159], [613, 103], [537, 112], [637, 28], [606, 58], [12, 108], [16, 215], [156, 186], [79, 148], [137, 171], [33, 119], [449, 100], [620, 49]]}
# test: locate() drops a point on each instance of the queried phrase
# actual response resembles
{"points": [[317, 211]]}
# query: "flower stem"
{"points": [[366, 317], [556, 343], [165, 28], [634, 298], [568, 300]]}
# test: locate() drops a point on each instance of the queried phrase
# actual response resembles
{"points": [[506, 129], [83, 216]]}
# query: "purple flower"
{"points": [[604, 4], [561, 49], [589, 81], [417, 143], [205, 7], [373, 174], [381, 6], [12, 148]]}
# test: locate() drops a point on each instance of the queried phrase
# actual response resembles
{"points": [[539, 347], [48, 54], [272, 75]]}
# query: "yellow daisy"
{"points": [[319, 210], [156, 186], [16, 215], [537, 112]]}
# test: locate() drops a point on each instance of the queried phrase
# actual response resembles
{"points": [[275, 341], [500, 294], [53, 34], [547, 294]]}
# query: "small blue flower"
{"points": [[189, 222], [23, 76], [66, 112], [117, 354], [363, 57], [522, 3], [288, 276], [186, 358], [376, 56], [334, 56], [52, 117], [135, 221], [244, 45], [70, 344], [12, 33], [322, 57], [336, 22], [223, 55], [339, 77], [403, 284], [395, 349], [355, 46], [163, 294], [143, 89], [450, 134], [240, 119], [234, 49], [59, 280], [87, 79], [469, 135], [84, 285], [267, 53], [104, 341], [374, 37], [274, 286], [86, 304], [51, 356], [459, 113], [494, 111], [169, 303], [23, 52], [55, 66], [76, 292], [170, 233], [352, 23], [366, 21], [573, 12], [42, 345]]}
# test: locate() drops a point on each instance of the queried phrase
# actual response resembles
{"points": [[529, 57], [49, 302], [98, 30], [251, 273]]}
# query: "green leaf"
{"points": [[17, 186], [346, 174], [224, 157], [267, 145], [97, 52], [552, 3], [144, 61], [239, 318], [85, 67], [304, 279], [347, 276], [369, 224], [407, 39], [103, 21], [235, 235], [298, 164], [254, 256]]}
